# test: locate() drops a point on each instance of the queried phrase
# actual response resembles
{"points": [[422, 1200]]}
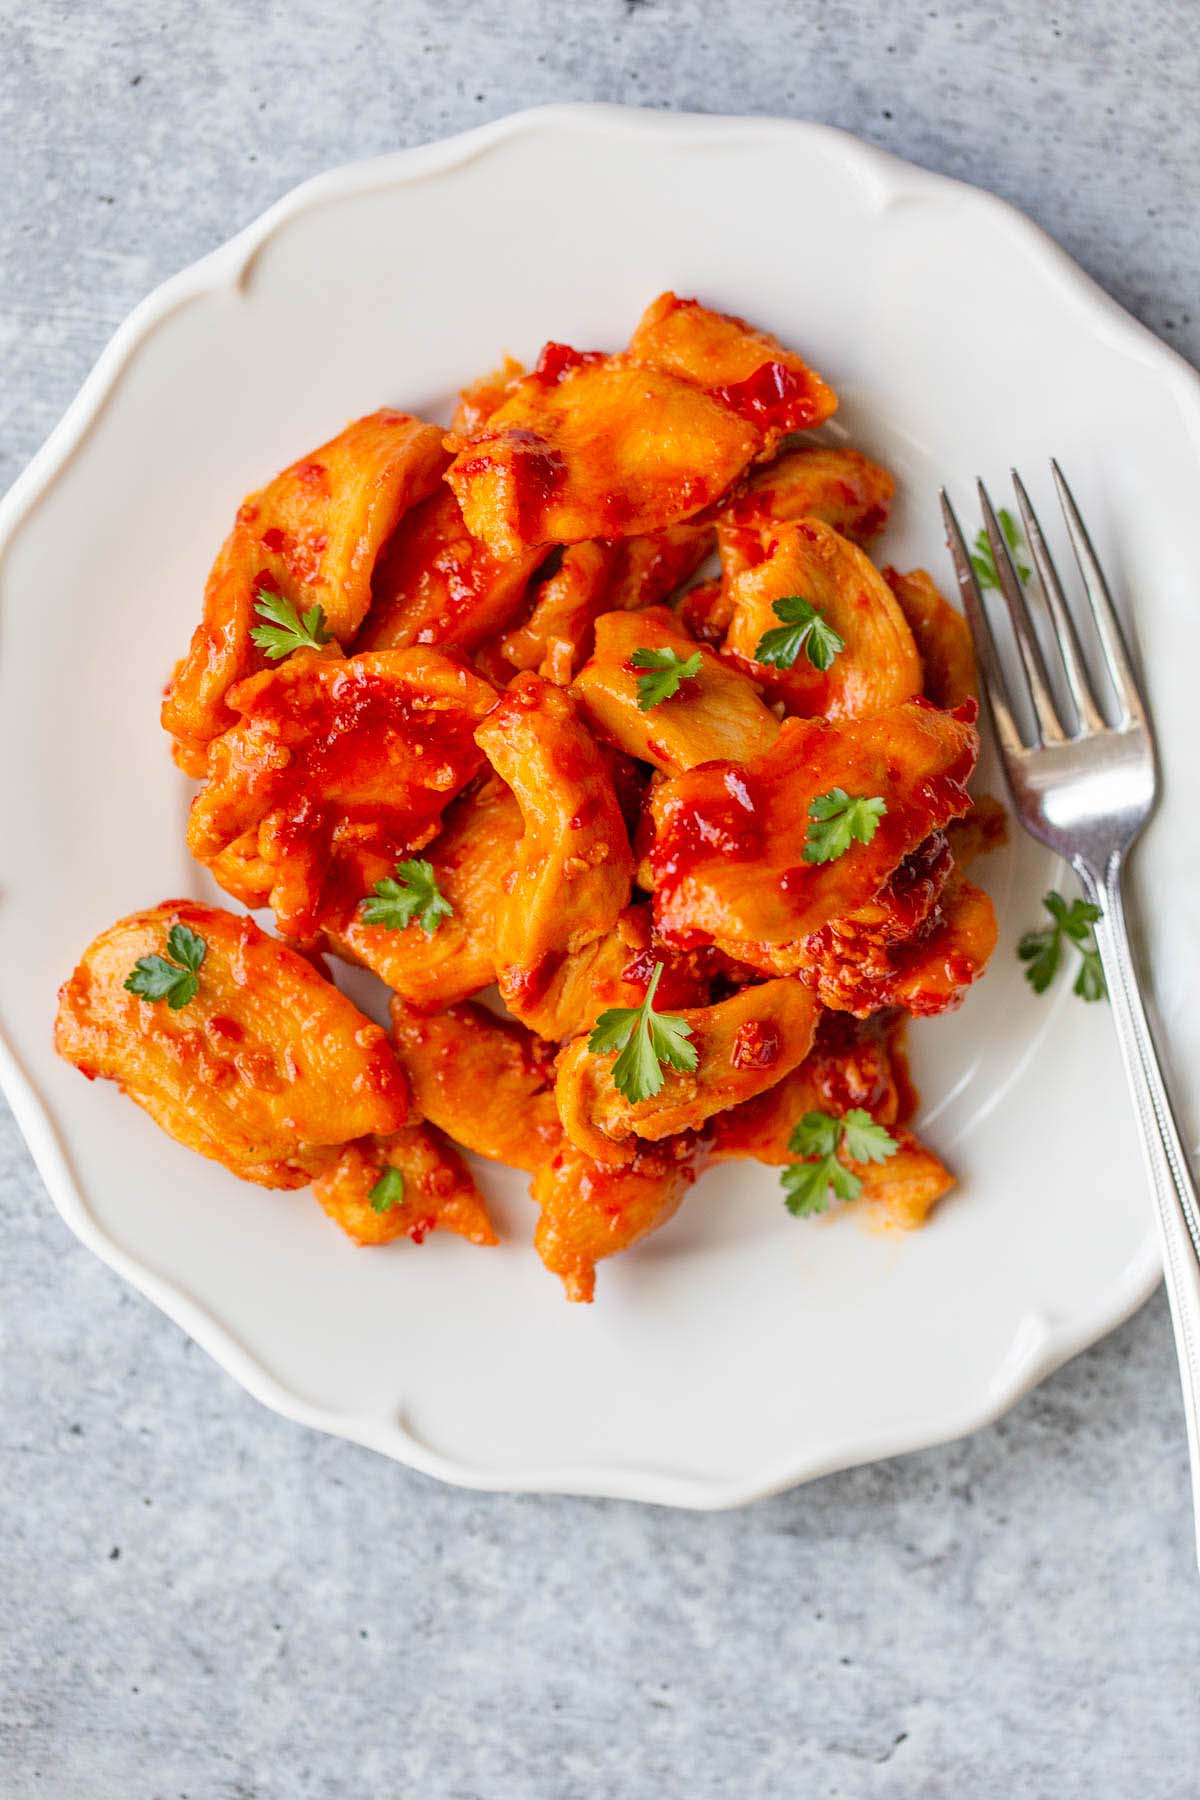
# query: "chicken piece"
{"points": [[743, 1045], [471, 857], [727, 861], [851, 962], [266, 1068], [436, 584], [574, 867], [590, 1210], [631, 780], [717, 714], [922, 941], [333, 765], [984, 829], [878, 667], [649, 569], [485, 1081], [746, 370], [706, 610], [942, 637], [898, 1194], [591, 447], [852, 1063], [565, 995], [934, 971], [439, 1193], [557, 635], [312, 535], [479, 401], [841, 487]]}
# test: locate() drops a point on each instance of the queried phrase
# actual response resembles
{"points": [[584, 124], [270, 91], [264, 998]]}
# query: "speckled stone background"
{"points": [[198, 1599]]}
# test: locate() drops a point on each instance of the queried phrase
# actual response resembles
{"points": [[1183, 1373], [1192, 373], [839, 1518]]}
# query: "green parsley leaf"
{"points": [[1075, 919], [818, 1137], [806, 1187], [838, 819], [816, 1134], [845, 1183], [1090, 984], [647, 1040], [187, 947], [984, 563], [288, 630], [154, 978], [637, 1072], [802, 628], [668, 669], [865, 1141], [612, 1030], [669, 1036], [388, 1190], [413, 894], [1041, 951]]}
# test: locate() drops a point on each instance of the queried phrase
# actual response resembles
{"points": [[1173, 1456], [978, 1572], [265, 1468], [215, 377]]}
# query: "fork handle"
{"points": [[1175, 1198]]}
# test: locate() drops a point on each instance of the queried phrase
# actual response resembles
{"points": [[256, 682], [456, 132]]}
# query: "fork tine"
{"points": [[1078, 684], [1108, 626], [1008, 737], [1048, 728]]}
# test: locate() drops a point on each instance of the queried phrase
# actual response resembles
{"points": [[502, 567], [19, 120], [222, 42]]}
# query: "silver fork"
{"points": [[1086, 788]]}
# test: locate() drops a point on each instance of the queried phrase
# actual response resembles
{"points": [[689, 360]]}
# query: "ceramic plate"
{"points": [[738, 1350]]}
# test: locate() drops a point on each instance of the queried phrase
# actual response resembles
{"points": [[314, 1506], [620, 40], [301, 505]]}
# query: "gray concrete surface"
{"points": [[197, 1599]]}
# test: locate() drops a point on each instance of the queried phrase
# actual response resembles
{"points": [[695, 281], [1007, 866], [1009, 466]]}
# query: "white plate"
{"points": [[738, 1350]]}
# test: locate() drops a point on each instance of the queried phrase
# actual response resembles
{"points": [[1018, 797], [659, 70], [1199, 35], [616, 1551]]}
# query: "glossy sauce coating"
{"points": [[941, 635], [333, 765], [852, 1064], [439, 1192], [878, 666], [312, 535], [839, 486], [574, 867], [471, 857], [590, 1210], [727, 860], [556, 636], [743, 1045], [266, 1070], [717, 714], [487, 1082], [609, 450], [564, 994], [746, 370], [437, 584]]}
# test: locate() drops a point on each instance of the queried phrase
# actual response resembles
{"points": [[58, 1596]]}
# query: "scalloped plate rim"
{"points": [[1019, 1369]]}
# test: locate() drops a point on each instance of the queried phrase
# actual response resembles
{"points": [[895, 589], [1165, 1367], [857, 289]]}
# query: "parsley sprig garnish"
{"points": [[838, 819], [388, 1190], [802, 628], [177, 982], [288, 630], [1041, 951], [412, 894], [984, 563], [818, 1137], [646, 1040], [667, 670]]}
